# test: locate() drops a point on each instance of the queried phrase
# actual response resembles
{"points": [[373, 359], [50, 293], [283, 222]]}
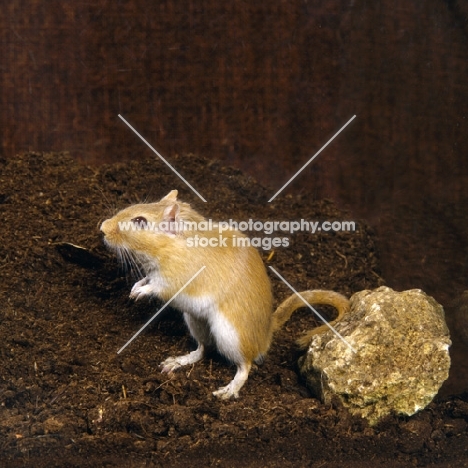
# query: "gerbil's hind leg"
{"points": [[200, 331], [173, 363], [232, 389]]}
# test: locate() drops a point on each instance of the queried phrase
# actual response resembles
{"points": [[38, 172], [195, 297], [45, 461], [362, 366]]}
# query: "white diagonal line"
{"points": [[313, 310], [311, 159], [161, 309], [161, 157]]}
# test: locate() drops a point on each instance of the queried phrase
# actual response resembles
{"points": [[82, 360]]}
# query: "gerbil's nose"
{"points": [[103, 226]]}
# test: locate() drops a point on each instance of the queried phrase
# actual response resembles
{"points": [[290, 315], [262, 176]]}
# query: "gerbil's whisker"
{"points": [[129, 263], [137, 267], [107, 203]]}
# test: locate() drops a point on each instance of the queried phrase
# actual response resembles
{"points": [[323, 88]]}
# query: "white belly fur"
{"points": [[205, 312]]}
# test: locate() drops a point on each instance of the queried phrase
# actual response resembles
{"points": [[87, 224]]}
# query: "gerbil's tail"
{"points": [[316, 296]]}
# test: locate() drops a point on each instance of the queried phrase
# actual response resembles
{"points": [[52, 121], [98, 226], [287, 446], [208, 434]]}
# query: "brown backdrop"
{"points": [[262, 85]]}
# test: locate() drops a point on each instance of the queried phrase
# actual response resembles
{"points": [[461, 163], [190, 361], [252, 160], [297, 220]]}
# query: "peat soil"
{"points": [[68, 399]]}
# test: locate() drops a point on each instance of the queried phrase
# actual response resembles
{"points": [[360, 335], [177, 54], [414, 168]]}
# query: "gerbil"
{"points": [[229, 305]]}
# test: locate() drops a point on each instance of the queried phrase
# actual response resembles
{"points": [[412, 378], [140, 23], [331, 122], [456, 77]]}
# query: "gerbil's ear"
{"points": [[171, 213], [172, 195], [171, 218]]}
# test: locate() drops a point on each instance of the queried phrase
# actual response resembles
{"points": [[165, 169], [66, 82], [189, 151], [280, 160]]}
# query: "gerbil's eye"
{"points": [[140, 221]]}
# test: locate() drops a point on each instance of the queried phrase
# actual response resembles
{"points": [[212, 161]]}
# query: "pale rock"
{"points": [[394, 360]]}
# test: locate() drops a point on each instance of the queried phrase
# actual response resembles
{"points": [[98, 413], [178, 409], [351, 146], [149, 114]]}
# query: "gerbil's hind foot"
{"points": [[173, 363], [226, 393], [232, 389]]}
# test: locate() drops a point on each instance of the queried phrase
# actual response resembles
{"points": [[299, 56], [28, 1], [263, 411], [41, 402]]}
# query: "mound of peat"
{"points": [[68, 399]]}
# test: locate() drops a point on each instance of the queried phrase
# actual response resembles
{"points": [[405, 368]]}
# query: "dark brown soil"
{"points": [[68, 399]]}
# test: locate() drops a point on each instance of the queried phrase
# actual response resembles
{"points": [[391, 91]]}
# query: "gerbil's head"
{"points": [[144, 228]]}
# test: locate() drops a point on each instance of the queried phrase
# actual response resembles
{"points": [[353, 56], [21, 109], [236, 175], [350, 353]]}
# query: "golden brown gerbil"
{"points": [[229, 305]]}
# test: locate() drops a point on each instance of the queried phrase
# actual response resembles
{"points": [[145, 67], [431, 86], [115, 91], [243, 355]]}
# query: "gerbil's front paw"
{"points": [[140, 289], [225, 393]]}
